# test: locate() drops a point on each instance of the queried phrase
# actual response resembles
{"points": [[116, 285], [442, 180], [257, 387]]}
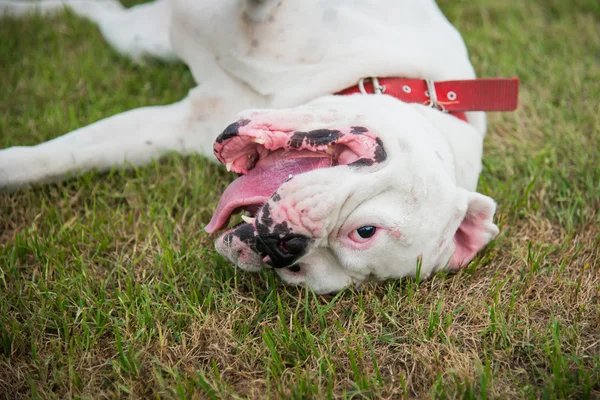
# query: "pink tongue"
{"points": [[258, 185]]}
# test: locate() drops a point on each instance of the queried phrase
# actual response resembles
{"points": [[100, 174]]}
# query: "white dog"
{"points": [[336, 189]]}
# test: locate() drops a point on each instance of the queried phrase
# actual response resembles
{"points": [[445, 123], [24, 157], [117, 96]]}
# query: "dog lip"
{"points": [[295, 267], [265, 158], [267, 260], [252, 143]]}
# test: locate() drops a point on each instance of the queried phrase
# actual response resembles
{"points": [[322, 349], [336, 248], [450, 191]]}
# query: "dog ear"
{"points": [[475, 230]]}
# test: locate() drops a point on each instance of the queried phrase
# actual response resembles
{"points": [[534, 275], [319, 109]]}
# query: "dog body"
{"points": [[320, 171]]}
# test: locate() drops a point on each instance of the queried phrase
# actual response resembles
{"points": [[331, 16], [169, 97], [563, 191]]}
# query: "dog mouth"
{"points": [[266, 158]]}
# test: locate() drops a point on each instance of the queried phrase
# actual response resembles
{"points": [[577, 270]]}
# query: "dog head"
{"points": [[345, 189]]}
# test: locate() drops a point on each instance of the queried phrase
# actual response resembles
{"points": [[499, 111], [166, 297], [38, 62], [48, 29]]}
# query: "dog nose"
{"points": [[283, 252]]}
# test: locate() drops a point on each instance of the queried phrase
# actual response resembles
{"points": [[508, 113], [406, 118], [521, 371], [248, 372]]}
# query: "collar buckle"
{"points": [[377, 88], [432, 94]]}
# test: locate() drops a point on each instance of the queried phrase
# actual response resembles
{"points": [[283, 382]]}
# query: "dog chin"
{"points": [[319, 275]]}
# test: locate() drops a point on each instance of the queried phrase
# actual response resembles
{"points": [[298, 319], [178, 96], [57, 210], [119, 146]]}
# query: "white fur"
{"points": [[418, 197], [252, 54]]}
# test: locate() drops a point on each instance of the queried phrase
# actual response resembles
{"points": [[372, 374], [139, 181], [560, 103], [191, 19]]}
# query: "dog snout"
{"points": [[283, 252]]}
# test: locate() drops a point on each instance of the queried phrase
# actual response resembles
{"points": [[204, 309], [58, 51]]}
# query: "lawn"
{"points": [[109, 287]]}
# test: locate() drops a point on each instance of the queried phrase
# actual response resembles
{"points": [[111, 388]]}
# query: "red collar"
{"points": [[453, 97]]}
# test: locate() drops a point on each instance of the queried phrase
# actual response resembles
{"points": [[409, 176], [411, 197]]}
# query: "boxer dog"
{"points": [[343, 178]]}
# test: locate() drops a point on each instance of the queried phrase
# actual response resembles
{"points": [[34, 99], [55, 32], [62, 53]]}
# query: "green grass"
{"points": [[109, 286]]}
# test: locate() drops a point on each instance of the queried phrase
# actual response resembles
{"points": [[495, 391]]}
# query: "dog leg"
{"points": [[22, 8], [137, 32], [131, 138]]}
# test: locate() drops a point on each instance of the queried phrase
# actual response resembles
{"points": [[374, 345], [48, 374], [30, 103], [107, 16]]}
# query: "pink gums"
{"points": [[254, 141], [268, 156]]}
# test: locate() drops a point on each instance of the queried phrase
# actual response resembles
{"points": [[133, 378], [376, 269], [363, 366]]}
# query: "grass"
{"points": [[110, 288]]}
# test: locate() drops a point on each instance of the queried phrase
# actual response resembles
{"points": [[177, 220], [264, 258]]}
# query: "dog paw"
{"points": [[19, 167]]}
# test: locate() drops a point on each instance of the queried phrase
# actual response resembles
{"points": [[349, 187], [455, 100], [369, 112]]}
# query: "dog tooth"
{"points": [[248, 220], [259, 141], [228, 165]]}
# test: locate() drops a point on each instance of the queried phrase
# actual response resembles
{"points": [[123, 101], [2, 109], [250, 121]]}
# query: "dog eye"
{"points": [[366, 232], [363, 233]]}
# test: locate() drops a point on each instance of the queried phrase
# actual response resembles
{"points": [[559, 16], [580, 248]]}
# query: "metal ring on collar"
{"points": [[377, 88]]}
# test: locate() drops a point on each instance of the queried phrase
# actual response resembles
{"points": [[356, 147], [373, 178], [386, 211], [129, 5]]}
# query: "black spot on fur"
{"points": [[380, 154], [281, 229], [276, 197], [232, 130], [358, 130], [261, 229], [246, 234], [228, 239], [321, 137], [362, 162], [265, 218], [297, 139], [295, 268]]}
